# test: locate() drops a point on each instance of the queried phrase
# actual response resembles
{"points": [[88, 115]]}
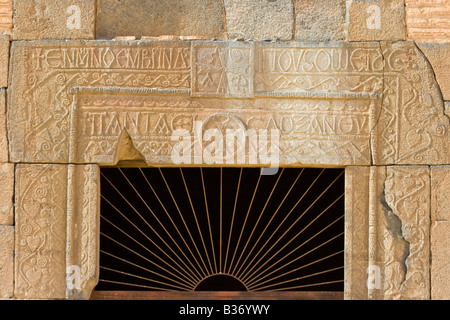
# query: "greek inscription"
{"points": [[157, 58]]}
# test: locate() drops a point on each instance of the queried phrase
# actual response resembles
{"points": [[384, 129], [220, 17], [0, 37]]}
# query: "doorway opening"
{"points": [[190, 230]]}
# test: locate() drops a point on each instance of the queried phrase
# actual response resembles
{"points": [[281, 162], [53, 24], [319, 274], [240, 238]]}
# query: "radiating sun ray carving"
{"points": [[221, 229]]}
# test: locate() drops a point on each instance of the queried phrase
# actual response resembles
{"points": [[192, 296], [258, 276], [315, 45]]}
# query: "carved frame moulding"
{"points": [[77, 105], [335, 104]]}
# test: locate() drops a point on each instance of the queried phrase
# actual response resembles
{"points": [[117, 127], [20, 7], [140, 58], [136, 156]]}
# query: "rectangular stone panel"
{"points": [[40, 231], [222, 69], [440, 253], [6, 194], [4, 60], [427, 21], [83, 225], [153, 18], [6, 262], [4, 152], [310, 132], [54, 19], [259, 20], [373, 20], [356, 232], [320, 20], [440, 186]]}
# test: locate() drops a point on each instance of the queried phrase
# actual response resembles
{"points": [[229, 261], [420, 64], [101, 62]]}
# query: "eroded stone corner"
{"points": [[404, 233]]}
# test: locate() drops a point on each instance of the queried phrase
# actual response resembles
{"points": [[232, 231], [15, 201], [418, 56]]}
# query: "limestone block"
{"points": [[427, 21], [4, 157], [83, 225], [440, 266], [258, 20], [438, 54], [4, 60], [320, 20], [153, 18], [40, 231], [6, 194], [54, 19], [376, 20], [6, 14], [6, 262]]}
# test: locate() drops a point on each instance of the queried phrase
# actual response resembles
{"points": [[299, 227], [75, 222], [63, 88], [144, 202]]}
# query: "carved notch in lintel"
{"points": [[126, 152]]}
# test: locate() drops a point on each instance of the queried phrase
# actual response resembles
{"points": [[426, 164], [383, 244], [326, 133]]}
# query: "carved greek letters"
{"points": [[338, 103]]}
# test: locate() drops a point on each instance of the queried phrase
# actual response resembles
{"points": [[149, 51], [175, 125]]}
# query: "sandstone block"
{"points": [[40, 231], [320, 20], [440, 266], [258, 20], [376, 20], [427, 21], [156, 18], [4, 60], [3, 130], [6, 13], [6, 262], [6, 194], [54, 19], [438, 54]]}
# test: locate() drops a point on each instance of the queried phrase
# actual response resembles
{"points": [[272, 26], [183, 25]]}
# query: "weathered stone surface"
{"points": [[440, 266], [258, 20], [427, 21], [40, 231], [320, 20], [222, 69], [376, 20], [4, 60], [54, 19], [83, 225], [3, 130], [411, 127], [404, 236], [6, 13], [6, 194], [440, 185], [356, 231], [159, 18], [439, 56], [391, 239], [6, 262]]}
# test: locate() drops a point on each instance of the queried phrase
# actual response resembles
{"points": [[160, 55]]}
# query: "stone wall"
{"points": [[355, 84]]}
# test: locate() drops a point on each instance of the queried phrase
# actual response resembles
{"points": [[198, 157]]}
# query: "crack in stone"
{"points": [[395, 228]]}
